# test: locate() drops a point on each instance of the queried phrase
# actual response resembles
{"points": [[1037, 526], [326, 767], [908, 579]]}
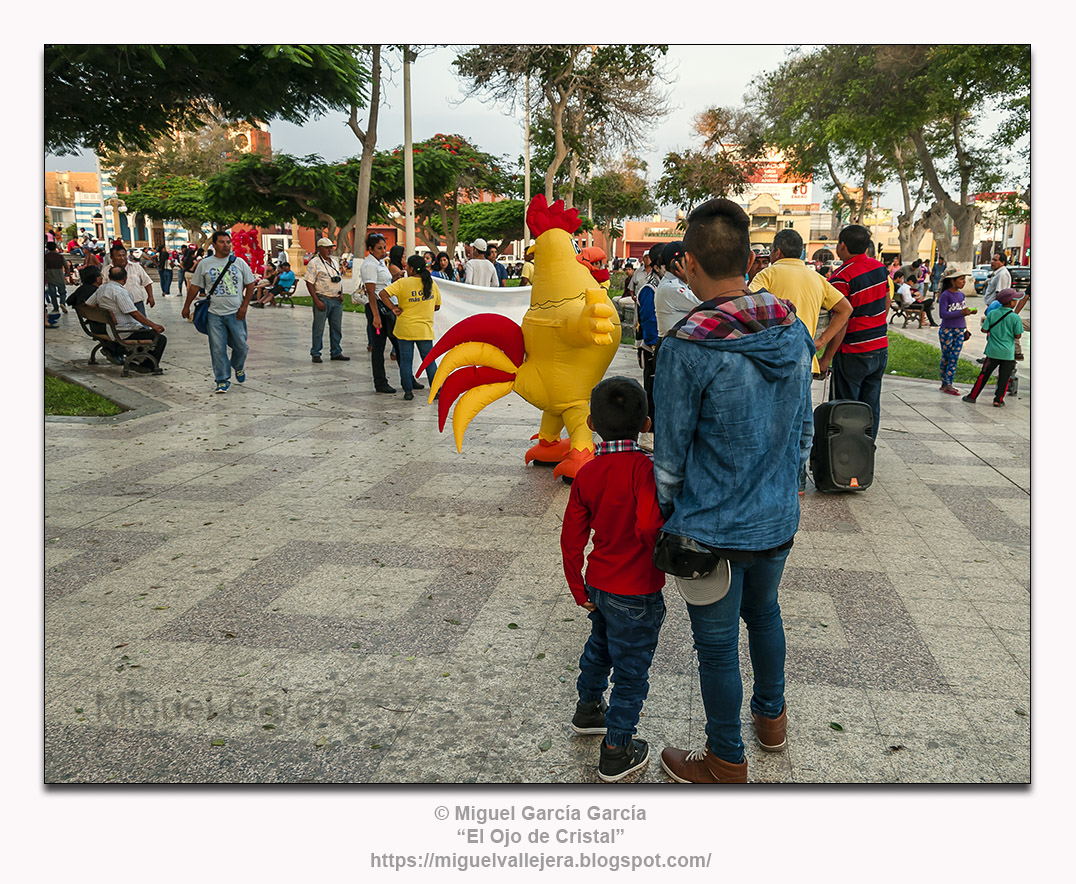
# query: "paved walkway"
{"points": [[302, 580]]}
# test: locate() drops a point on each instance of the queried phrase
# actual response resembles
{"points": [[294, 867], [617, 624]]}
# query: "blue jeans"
{"points": [[752, 595], [623, 636], [333, 312], [56, 292], [407, 354], [224, 332], [166, 282], [859, 376]]}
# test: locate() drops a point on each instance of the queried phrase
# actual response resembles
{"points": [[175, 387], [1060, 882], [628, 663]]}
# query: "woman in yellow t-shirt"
{"points": [[417, 298]]}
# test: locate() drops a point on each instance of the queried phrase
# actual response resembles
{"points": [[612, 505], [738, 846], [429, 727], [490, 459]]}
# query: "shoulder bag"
{"points": [[201, 309]]}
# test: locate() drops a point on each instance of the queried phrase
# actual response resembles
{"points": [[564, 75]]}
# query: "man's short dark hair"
{"points": [[1001, 257], [50, 247], [618, 408], [718, 235], [88, 275], [118, 247], [117, 273], [217, 234], [856, 238], [789, 242]]}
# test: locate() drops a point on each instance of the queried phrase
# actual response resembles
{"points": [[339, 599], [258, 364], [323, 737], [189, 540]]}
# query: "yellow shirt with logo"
{"points": [[415, 323]]}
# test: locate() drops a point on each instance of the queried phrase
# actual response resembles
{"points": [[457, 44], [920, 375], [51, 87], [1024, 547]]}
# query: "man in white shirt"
{"points": [[673, 298], [479, 270], [138, 284], [114, 297], [999, 280], [325, 283]]}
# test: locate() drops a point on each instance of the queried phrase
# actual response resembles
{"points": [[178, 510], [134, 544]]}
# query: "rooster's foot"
{"points": [[549, 452]]}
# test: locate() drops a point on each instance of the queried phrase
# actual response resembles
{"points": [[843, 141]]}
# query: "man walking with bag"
{"points": [[229, 282]]}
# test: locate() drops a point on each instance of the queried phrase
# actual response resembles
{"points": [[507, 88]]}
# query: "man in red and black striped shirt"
{"points": [[860, 352]]}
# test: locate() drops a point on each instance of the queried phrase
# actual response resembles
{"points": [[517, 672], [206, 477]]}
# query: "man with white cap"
{"points": [[326, 287], [479, 270]]}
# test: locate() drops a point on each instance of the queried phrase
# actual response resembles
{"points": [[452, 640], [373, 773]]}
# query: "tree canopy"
{"points": [[616, 88], [177, 198], [124, 96]]}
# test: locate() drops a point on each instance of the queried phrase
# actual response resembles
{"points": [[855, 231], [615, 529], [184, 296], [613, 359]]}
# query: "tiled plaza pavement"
{"points": [[303, 581]]}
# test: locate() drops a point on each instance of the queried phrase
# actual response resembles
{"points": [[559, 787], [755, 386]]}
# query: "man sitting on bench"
{"points": [[130, 323], [913, 307]]}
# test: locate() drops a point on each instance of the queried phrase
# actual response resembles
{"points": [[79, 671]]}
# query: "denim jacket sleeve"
{"points": [[677, 402]]}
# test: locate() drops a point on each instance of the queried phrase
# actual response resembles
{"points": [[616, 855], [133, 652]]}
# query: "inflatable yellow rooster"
{"points": [[567, 340]]}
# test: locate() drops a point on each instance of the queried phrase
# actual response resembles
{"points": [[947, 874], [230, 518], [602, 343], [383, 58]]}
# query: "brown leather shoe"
{"points": [[701, 766], [771, 731]]}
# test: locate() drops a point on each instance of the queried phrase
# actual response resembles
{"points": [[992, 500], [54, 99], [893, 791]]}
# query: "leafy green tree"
{"points": [[450, 172], [177, 198], [619, 83], [616, 194], [104, 96], [199, 153], [274, 190]]}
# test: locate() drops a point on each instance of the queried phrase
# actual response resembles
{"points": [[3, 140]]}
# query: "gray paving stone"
{"points": [[311, 575]]}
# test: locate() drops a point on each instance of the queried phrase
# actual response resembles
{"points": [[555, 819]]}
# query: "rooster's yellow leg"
{"points": [[582, 441], [550, 447]]}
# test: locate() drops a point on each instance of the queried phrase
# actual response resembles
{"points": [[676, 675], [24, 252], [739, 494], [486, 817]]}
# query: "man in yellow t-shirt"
{"points": [[413, 298], [526, 275], [789, 278]]}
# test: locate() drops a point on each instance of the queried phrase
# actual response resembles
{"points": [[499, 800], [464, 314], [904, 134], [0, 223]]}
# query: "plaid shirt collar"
{"points": [[616, 445]]}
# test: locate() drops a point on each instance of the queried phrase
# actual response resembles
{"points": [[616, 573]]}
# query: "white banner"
{"points": [[459, 300]]}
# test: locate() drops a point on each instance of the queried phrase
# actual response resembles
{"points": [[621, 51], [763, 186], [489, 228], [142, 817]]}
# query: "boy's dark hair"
{"points": [[618, 408], [898, 274], [718, 235], [856, 238], [88, 275], [117, 273]]}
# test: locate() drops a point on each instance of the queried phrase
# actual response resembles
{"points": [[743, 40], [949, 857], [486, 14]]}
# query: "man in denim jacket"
{"points": [[733, 397]]}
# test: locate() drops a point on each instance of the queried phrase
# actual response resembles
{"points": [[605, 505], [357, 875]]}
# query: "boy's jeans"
{"points": [[623, 636], [227, 331]]}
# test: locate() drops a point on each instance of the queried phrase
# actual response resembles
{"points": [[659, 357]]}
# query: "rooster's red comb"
{"points": [[542, 217]]}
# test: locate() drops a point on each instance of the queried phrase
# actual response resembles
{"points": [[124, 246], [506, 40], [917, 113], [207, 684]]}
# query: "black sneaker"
{"points": [[619, 762], [967, 399], [385, 389], [316, 360], [589, 717], [415, 385], [408, 395]]}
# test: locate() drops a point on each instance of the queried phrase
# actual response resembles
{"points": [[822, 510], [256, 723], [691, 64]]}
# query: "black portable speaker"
{"points": [[842, 455]]}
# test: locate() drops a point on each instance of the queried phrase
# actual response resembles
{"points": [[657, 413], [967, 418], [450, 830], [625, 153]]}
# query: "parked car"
{"points": [[980, 273], [1021, 277]]}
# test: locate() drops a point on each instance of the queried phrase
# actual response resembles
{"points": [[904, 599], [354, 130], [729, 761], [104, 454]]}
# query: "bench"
{"points": [[100, 325], [285, 296], [912, 311]]}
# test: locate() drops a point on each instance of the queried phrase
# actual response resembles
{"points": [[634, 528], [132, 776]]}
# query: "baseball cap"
{"points": [[1007, 295], [708, 588], [656, 251], [480, 244], [325, 241], [674, 251]]}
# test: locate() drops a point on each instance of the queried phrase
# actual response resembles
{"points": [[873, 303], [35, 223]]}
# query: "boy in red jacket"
{"points": [[614, 496]]}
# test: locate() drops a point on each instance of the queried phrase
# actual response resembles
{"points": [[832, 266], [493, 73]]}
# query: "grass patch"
{"points": [[63, 397], [307, 301], [915, 359]]}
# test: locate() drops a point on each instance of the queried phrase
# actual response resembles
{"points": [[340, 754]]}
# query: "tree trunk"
{"points": [[573, 174], [368, 140], [965, 216]]}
